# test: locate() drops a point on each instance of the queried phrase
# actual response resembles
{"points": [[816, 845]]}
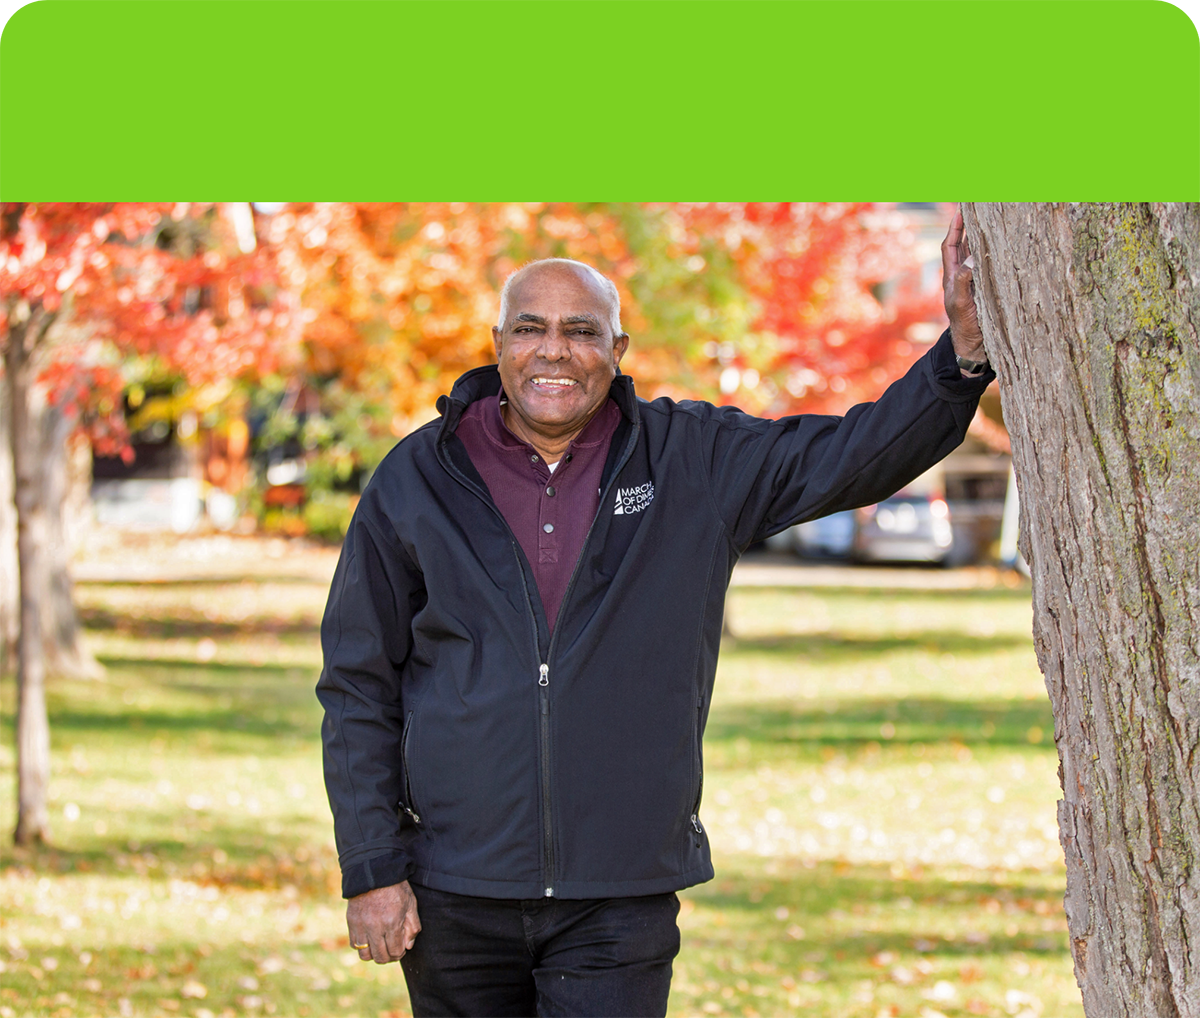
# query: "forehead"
{"points": [[558, 290]]}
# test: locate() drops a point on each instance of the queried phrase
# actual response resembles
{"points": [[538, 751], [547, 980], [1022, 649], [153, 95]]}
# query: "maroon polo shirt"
{"points": [[550, 512]]}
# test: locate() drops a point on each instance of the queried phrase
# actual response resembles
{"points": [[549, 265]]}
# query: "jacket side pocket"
{"points": [[694, 820], [409, 806]]}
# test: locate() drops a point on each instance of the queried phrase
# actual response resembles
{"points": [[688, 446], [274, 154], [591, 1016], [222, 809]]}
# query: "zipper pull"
{"points": [[696, 824], [544, 676]]}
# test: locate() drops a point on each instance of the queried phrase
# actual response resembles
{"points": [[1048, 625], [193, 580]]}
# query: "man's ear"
{"points": [[620, 345], [497, 341]]}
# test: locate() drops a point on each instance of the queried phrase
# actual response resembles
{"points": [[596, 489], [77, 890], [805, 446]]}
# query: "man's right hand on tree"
{"points": [[383, 923], [959, 292]]}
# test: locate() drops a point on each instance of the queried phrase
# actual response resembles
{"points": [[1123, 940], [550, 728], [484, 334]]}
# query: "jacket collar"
{"points": [[479, 383]]}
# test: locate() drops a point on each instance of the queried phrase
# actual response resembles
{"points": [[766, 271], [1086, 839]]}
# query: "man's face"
{"points": [[557, 351]]}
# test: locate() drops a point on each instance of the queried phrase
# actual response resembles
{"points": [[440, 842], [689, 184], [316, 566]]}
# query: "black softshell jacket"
{"points": [[469, 749]]}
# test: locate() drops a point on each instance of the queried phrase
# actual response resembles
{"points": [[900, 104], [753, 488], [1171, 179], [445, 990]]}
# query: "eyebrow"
{"points": [[584, 319]]}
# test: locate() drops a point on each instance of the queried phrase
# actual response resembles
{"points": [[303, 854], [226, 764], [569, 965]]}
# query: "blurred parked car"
{"points": [[906, 528], [828, 537]]}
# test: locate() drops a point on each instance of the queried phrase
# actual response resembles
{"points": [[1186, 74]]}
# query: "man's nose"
{"points": [[555, 345]]}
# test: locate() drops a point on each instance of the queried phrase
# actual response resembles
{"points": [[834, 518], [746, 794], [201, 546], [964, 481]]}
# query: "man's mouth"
{"points": [[557, 383]]}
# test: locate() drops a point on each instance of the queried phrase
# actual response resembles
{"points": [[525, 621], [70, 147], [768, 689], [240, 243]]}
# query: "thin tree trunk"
{"points": [[64, 473], [33, 727], [8, 545], [1090, 315], [62, 636]]}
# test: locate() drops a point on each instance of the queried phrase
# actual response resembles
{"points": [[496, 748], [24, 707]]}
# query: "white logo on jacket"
{"points": [[634, 500]]}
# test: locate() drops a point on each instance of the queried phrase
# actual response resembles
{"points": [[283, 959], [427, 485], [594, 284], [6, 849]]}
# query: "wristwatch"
{"points": [[972, 367]]}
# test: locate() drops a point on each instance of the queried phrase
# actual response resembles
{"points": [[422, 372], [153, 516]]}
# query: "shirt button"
{"points": [[548, 527], [550, 492], [533, 458]]}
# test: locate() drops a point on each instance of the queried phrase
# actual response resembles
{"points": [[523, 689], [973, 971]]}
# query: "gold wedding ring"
{"points": [[360, 947]]}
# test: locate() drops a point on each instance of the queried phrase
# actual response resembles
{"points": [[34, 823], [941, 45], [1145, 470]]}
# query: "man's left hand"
{"points": [[959, 289], [383, 923]]}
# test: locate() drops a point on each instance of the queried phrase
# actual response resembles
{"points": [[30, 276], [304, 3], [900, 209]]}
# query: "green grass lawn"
{"points": [[880, 788]]}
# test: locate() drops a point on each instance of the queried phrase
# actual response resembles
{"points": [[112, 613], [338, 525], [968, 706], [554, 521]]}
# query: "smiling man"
{"points": [[558, 344], [522, 636]]}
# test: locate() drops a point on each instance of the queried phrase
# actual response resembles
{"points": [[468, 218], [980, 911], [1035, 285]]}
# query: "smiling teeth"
{"points": [[554, 381]]}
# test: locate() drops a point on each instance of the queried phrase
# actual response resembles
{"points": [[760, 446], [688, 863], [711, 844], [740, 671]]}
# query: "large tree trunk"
{"points": [[1090, 316], [33, 727]]}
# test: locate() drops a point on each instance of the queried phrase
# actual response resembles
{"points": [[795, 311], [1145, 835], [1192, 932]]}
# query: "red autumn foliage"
{"points": [[151, 280], [813, 271]]}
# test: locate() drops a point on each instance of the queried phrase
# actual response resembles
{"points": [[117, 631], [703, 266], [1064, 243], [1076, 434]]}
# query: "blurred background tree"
{"points": [[98, 299]]}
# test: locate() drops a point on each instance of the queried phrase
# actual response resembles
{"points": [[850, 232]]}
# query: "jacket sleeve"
{"points": [[767, 475], [365, 639]]}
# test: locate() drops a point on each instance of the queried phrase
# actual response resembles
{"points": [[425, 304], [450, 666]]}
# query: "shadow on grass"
{"points": [[908, 720], [229, 854], [165, 626], [285, 721], [855, 898], [911, 594], [215, 583], [172, 664], [218, 703], [834, 645]]}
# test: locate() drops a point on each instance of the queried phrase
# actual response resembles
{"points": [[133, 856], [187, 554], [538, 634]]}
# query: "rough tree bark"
{"points": [[1090, 316]]}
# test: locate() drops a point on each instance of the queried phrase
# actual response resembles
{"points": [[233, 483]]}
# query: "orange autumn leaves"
{"points": [[772, 306], [768, 305], [399, 299]]}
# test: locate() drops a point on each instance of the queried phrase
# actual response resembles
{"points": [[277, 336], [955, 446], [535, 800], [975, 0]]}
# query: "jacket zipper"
{"points": [[544, 666], [547, 827], [696, 825], [408, 805]]}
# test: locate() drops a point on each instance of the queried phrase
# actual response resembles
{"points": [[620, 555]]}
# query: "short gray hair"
{"points": [[606, 284]]}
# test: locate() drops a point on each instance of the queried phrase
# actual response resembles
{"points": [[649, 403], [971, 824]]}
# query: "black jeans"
{"points": [[489, 957]]}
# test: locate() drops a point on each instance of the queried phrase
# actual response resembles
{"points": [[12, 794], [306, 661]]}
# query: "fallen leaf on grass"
{"points": [[941, 991], [194, 990]]}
